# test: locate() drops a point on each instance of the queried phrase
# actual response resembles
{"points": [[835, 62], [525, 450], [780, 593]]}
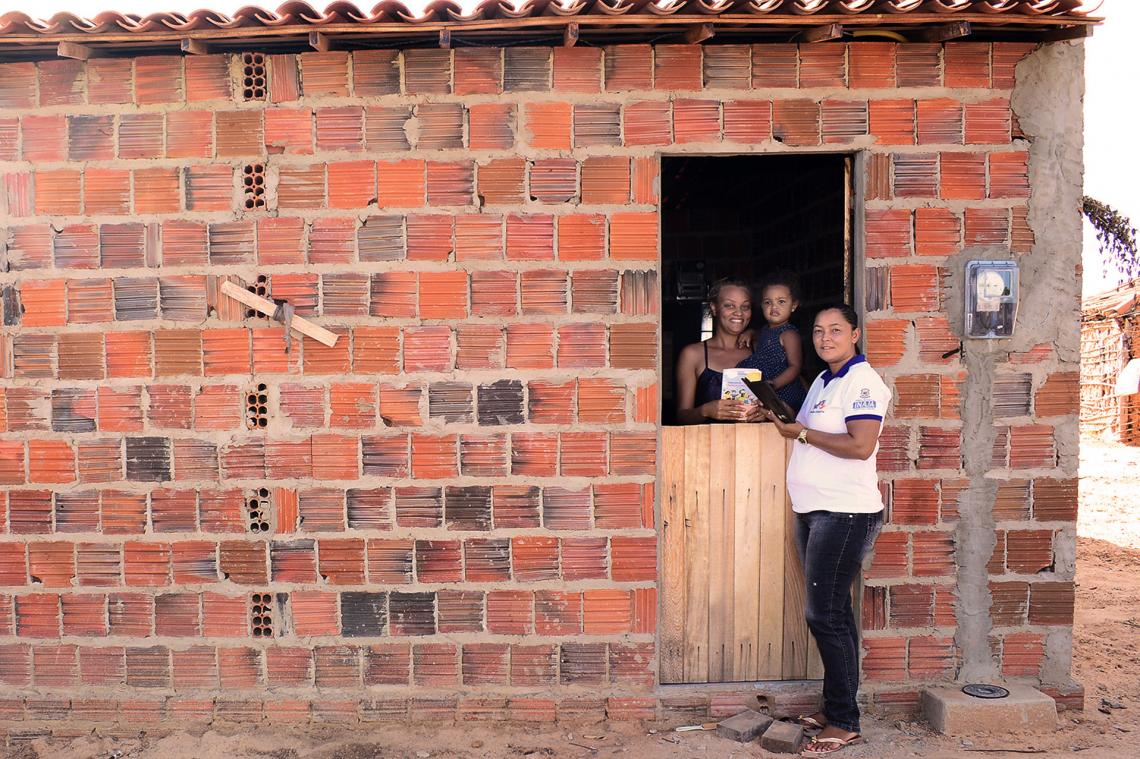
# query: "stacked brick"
{"points": [[451, 511]]}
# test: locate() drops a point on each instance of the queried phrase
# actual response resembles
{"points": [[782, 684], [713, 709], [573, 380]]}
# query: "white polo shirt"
{"points": [[819, 481]]}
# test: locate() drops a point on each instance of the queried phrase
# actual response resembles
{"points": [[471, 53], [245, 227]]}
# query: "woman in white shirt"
{"points": [[834, 488]]}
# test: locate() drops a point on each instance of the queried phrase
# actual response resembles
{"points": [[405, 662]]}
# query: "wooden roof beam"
{"points": [[322, 43], [445, 38], [78, 52], [194, 47], [821, 33], [570, 34], [945, 32], [1067, 33], [695, 35]]}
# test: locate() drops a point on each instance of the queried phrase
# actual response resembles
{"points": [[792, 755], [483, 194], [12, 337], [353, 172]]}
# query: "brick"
{"points": [[967, 64], [915, 175], [930, 657], [375, 72], [963, 176], [696, 120], [1032, 446], [288, 131], [914, 502], [888, 233], [478, 71], [988, 122], [1022, 654], [534, 665], [491, 126], [1029, 551], [45, 138], [450, 184], [648, 123], [892, 122], [782, 738], [843, 121], [796, 122], [884, 659], [427, 71], [502, 180], [934, 554], [534, 558], [19, 86], [577, 69], [477, 237], [633, 559], [1009, 175], [485, 664]]}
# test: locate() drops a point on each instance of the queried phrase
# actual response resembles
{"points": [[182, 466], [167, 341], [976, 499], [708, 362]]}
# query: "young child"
{"points": [[777, 350]]}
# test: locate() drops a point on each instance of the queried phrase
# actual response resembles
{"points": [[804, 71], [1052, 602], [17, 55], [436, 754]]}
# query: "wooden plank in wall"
{"points": [[794, 665], [672, 651], [746, 550], [773, 507], [697, 461], [721, 579]]}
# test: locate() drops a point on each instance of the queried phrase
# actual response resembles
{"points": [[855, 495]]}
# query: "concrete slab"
{"points": [[782, 738], [952, 712], [744, 727]]}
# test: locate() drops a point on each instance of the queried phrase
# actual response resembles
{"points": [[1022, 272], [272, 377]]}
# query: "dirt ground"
{"points": [[1106, 660]]}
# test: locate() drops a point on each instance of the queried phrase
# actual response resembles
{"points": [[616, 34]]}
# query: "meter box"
{"points": [[991, 298]]}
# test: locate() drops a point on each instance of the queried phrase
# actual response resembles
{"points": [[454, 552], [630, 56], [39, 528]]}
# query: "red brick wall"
{"points": [[452, 509]]}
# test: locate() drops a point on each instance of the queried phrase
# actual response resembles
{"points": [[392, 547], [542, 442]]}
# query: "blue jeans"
{"points": [[832, 545]]}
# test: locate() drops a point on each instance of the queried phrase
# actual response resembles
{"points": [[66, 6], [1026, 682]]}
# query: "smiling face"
{"points": [[777, 304], [732, 309], [834, 338]]}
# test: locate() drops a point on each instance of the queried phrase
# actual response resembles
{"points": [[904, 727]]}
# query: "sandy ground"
{"points": [[1106, 660]]}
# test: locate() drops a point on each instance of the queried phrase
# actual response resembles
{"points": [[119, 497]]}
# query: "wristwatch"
{"points": [[802, 437]]}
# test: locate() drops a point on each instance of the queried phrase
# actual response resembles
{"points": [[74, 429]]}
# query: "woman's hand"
{"points": [[726, 411], [789, 431], [755, 413]]}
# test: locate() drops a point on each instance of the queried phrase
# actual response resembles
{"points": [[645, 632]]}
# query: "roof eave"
{"points": [[541, 30]]}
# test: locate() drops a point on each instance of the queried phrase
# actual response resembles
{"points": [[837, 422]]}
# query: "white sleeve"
{"points": [[867, 397]]}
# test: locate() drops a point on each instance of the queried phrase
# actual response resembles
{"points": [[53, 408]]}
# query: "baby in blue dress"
{"points": [[777, 350]]}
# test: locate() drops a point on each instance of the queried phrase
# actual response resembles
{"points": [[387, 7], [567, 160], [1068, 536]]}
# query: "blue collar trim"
{"points": [[858, 358]]}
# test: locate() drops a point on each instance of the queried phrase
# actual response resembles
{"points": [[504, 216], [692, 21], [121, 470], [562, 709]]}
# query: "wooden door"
{"points": [[732, 586]]}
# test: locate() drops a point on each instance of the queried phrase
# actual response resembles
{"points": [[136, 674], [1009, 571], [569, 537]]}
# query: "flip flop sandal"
{"points": [[839, 744], [809, 722]]}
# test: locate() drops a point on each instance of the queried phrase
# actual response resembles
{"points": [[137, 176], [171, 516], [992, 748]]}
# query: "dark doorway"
{"points": [[747, 216]]}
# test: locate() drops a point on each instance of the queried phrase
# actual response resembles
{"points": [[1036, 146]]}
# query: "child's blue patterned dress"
{"points": [[769, 357]]}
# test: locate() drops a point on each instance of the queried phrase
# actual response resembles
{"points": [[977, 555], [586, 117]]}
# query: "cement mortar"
{"points": [[1047, 101]]}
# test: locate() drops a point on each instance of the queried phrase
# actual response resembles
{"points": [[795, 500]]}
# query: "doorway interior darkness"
{"points": [[748, 216]]}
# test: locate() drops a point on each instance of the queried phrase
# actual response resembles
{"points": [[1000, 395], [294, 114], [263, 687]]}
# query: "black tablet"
{"points": [[766, 393]]}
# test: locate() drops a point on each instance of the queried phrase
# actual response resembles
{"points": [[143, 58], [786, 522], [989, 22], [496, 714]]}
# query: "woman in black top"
{"points": [[700, 365]]}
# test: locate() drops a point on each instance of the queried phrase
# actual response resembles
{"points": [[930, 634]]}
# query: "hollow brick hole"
{"points": [[261, 287], [253, 76], [253, 183], [257, 406], [257, 510], [261, 615]]}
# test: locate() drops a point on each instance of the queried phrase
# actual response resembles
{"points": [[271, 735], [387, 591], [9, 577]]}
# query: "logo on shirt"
{"points": [[819, 407], [865, 401]]}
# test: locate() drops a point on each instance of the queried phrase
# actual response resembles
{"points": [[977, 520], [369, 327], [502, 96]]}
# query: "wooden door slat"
{"points": [[773, 523], [746, 564], [721, 579], [697, 461], [796, 636], [672, 651]]}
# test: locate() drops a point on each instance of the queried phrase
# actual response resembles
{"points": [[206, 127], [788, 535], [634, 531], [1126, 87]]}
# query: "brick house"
{"points": [[454, 512]]}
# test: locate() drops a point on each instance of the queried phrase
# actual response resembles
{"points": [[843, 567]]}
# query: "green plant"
{"points": [[1116, 236]]}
